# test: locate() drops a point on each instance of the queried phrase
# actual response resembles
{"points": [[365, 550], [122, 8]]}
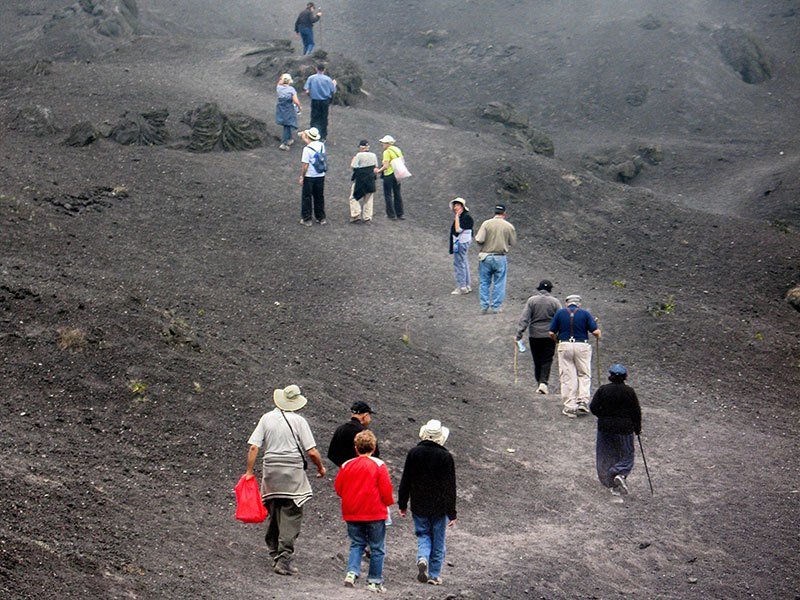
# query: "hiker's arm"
{"points": [[251, 460], [315, 457], [303, 170]]}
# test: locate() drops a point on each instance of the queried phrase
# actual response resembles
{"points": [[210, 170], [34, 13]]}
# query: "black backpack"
{"points": [[320, 160]]}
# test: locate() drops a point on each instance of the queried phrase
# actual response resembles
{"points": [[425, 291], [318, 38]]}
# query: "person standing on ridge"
{"points": [[571, 327], [321, 89], [286, 439], [495, 238], [304, 26], [536, 317], [460, 240], [619, 417]]}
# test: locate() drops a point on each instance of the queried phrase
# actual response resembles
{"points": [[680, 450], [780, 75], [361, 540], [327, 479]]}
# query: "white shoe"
{"points": [[583, 408], [621, 485], [569, 412], [542, 389], [283, 147], [457, 292], [290, 142], [469, 288]]}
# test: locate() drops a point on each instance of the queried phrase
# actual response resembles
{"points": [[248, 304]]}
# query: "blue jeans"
{"points": [[430, 542], [363, 534], [614, 456], [307, 35], [493, 269], [287, 133], [461, 266]]}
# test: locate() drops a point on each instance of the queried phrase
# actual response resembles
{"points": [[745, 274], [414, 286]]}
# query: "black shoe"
{"points": [[391, 218]]}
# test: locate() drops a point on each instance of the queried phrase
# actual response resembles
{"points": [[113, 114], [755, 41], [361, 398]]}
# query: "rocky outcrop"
{"points": [[142, 129], [793, 297], [213, 130], [82, 134], [38, 120], [744, 54], [518, 128]]}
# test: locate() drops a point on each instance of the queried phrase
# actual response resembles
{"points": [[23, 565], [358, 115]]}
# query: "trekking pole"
{"points": [[597, 351], [644, 459], [516, 350]]}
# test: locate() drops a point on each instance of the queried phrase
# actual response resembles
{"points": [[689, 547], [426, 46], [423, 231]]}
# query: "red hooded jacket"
{"points": [[364, 486]]}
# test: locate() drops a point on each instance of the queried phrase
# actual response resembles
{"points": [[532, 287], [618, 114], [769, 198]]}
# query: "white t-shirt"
{"points": [[308, 157], [272, 434]]}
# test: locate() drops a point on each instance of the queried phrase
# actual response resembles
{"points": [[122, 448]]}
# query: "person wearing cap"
{"points": [[536, 317], [304, 26], [460, 240], [391, 186], [313, 182], [495, 238], [285, 438], [341, 447], [619, 417], [571, 327], [287, 109], [321, 89], [363, 189], [364, 486], [429, 482]]}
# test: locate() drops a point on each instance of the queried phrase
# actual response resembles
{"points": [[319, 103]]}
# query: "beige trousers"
{"points": [[575, 372], [361, 208]]}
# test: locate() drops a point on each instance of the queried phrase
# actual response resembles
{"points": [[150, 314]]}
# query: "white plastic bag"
{"points": [[399, 167]]}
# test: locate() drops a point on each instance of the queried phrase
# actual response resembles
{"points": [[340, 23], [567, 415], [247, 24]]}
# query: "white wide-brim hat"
{"points": [[289, 398], [461, 201], [387, 139], [312, 133], [434, 431]]}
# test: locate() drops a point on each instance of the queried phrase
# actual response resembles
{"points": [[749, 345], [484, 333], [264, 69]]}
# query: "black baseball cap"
{"points": [[359, 408], [499, 209], [363, 143]]}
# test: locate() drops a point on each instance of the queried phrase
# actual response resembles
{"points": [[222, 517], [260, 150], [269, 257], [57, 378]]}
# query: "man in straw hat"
{"points": [[571, 327], [312, 180], [429, 480], [285, 438], [539, 311]]}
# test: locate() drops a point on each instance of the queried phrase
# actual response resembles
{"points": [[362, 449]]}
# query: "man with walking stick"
{"points": [[619, 417]]}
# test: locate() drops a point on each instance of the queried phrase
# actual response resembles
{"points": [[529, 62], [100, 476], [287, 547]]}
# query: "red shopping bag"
{"points": [[249, 507]]}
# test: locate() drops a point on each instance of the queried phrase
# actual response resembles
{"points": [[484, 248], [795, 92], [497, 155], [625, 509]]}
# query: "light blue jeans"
{"points": [[287, 133], [493, 270], [363, 534], [430, 542], [461, 266]]}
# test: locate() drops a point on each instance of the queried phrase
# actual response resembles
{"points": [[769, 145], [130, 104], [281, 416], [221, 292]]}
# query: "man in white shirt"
{"points": [[285, 438], [312, 178]]}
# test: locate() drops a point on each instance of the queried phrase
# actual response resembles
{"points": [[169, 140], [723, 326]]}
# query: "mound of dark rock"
{"points": [[38, 120], [348, 75], [433, 37], [637, 94], [213, 130], [623, 164], [518, 128], [41, 66], [82, 134], [744, 54], [142, 129], [109, 18]]}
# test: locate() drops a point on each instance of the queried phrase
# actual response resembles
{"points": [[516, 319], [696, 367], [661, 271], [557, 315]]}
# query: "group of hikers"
{"points": [[428, 481]]}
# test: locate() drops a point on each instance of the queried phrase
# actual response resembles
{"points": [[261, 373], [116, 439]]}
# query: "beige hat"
{"points": [[289, 398], [461, 201], [286, 79], [573, 299], [434, 431], [312, 134], [387, 139]]}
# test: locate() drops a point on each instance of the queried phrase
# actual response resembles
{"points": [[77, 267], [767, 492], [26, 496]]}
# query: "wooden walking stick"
{"points": [[516, 351]]}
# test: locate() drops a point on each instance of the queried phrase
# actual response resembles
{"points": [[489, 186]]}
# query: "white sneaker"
{"points": [[621, 485], [468, 288], [283, 147], [457, 292], [569, 412], [350, 579], [542, 389]]}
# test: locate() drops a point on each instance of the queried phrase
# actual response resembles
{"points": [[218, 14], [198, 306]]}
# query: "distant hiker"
{"points": [[619, 416], [287, 109], [571, 326], [536, 317], [460, 240], [362, 191], [304, 26], [341, 448], [429, 480], [321, 89], [285, 438], [495, 238], [391, 186], [366, 491], [312, 177]]}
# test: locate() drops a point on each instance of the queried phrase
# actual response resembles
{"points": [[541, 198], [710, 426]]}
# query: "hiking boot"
{"points": [[355, 221], [459, 291], [323, 221], [283, 566], [350, 579], [367, 221], [496, 311], [621, 484], [542, 389], [468, 288], [283, 147], [569, 412], [401, 218], [583, 408], [391, 218], [376, 587], [422, 568], [484, 310], [435, 581], [305, 222]]}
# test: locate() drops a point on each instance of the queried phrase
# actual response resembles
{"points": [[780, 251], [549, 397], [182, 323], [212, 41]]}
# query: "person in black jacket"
{"points": [[429, 480], [619, 416], [304, 26], [342, 446], [363, 189], [460, 240]]}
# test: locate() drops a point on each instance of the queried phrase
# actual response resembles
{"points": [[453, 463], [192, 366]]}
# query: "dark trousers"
{"points": [[283, 527], [542, 352], [391, 194], [319, 116], [313, 191], [614, 456]]}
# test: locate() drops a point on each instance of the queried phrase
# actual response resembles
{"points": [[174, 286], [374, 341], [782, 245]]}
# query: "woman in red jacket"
{"points": [[366, 491]]}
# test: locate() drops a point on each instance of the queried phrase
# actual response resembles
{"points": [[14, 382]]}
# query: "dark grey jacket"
{"points": [[538, 313]]}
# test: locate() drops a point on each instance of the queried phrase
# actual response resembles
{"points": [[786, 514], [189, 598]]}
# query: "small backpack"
{"points": [[320, 160]]}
